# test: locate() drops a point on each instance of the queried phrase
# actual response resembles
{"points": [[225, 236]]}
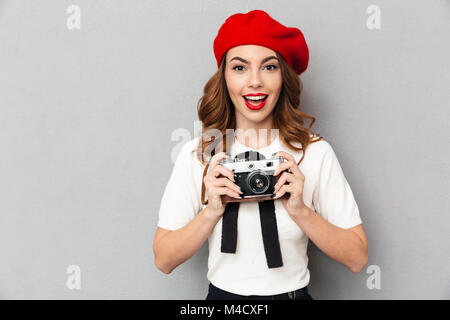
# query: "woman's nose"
{"points": [[255, 79]]}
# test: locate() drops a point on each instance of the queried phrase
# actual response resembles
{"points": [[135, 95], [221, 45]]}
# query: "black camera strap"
{"points": [[229, 227], [267, 218], [269, 231]]}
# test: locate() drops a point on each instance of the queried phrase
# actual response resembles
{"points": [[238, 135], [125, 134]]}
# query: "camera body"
{"points": [[254, 177]]}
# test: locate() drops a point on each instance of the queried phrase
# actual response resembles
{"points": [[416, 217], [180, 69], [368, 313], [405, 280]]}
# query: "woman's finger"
{"points": [[280, 192], [286, 188], [225, 182], [285, 166], [220, 169], [293, 168], [285, 177], [219, 191], [216, 159]]}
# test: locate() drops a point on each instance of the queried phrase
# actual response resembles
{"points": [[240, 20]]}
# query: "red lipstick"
{"points": [[258, 106]]}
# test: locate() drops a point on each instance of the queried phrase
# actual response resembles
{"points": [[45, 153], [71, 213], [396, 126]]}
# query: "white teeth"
{"points": [[255, 97]]}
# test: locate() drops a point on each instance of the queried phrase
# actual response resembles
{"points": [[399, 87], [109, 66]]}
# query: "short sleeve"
{"points": [[180, 203], [333, 198]]}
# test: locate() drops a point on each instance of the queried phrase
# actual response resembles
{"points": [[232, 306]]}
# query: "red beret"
{"points": [[257, 27]]}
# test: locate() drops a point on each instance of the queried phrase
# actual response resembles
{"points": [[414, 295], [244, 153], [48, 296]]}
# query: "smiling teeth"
{"points": [[256, 98]]}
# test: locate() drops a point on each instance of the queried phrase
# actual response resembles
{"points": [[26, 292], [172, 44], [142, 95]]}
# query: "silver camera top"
{"points": [[243, 165]]}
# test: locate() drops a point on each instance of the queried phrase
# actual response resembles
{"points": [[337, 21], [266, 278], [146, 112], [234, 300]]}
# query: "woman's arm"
{"points": [[172, 248], [346, 246]]}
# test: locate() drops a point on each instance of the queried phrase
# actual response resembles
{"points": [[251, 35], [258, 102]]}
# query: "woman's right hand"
{"points": [[217, 186]]}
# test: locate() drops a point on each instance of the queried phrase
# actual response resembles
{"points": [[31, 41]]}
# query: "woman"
{"points": [[257, 89]]}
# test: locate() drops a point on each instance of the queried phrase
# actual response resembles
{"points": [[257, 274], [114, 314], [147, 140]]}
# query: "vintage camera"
{"points": [[254, 175]]}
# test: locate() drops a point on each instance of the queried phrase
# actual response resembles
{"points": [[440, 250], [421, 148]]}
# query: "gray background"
{"points": [[85, 139]]}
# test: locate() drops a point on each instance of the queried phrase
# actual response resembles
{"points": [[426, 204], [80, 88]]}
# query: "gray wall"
{"points": [[86, 118]]}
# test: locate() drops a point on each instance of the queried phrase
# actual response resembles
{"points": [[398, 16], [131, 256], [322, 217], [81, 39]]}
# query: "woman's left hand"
{"points": [[295, 178]]}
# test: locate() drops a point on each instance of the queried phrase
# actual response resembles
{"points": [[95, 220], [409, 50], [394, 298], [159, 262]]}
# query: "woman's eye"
{"points": [[270, 66], [273, 67]]}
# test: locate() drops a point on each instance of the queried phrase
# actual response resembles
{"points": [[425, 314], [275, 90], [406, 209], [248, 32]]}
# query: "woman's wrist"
{"points": [[302, 214], [210, 215]]}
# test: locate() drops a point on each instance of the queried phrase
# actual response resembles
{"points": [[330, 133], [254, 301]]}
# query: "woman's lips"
{"points": [[255, 107]]}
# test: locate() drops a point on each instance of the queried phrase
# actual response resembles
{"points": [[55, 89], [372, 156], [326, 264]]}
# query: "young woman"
{"points": [[257, 89]]}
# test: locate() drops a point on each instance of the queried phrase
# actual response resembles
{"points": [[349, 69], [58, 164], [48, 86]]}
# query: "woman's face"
{"points": [[253, 69]]}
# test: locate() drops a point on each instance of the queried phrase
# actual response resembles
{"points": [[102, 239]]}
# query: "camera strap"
{"points": [[269, 231]]}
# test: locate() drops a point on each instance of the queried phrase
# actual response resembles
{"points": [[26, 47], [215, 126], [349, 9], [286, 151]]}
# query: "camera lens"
{"points": [[258, 182]]}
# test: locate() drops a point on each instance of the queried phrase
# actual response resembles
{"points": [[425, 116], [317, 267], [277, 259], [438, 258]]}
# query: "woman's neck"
{"points": [[255, 135]]}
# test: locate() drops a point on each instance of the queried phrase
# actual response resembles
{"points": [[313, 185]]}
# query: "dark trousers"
{"points": [[215, 293]]}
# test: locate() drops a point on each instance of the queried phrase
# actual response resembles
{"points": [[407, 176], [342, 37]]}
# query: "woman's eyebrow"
{"points": [[245, 61]]}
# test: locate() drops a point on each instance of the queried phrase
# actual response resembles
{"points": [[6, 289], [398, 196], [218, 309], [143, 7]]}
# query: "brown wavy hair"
{"points": [[216, 111]]}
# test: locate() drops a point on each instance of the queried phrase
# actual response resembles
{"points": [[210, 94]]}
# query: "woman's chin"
{"points": [[255, 116]]}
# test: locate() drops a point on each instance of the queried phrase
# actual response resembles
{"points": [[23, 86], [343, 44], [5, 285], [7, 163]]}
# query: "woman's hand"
{"points": [[295, 181], [216, 187]]}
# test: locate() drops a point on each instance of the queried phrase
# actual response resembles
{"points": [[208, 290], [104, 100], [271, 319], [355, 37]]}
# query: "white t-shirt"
{"points": [[326, 191]]}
